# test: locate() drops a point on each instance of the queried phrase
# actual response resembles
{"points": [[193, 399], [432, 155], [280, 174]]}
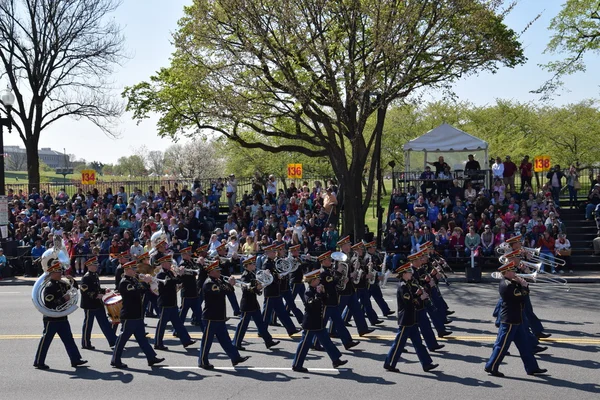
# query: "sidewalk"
{"points": [[458, 277]]}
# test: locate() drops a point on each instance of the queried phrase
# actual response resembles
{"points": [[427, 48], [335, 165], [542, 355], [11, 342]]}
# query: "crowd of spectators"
{"points": [[106, 224], [462, 217]]}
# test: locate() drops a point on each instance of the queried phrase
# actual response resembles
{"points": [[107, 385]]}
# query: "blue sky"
{"points": [[148, 31]]}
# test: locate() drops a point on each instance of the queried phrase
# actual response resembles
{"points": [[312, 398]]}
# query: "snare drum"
{"points": [[113, 303]]}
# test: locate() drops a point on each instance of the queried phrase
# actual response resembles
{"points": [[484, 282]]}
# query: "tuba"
{"points": [[37, 294], [341, 259]]}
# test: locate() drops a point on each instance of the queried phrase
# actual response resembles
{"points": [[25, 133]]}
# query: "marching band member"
{"points": [[296, 284], [226, 265], [215, 315], [167, 303], [132, 318], [332, 310], [435, 271], [190, 298], [358, 262], [313, 324], [56, 294], [434, 289], [123, 258], [375, 289], [284, 284], [513, 291], [93, 306], [422, 317], [408, 301], [348, 296], [250, 307], [272, 296], [150, 298], [201, 253]]}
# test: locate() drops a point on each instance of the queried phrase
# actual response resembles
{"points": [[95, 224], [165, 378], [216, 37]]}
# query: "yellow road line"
{"points": [[470, 338]]}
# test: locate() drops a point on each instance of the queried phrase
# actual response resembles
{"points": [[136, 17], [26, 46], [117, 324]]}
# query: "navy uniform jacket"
{"points": [[273, 290], [407, 304], [349, 289], [155, 257], [362, 283], [249, 301], [132, 292], [298, 275], [214, 299], [118, 276], [167, 293], [314, 306], [202, 275], [54, 297], [513, 300], [329, 282], [189, 288], [90, 289]]}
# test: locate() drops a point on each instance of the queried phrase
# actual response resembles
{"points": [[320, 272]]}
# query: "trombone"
{"points": [[535, 256]]}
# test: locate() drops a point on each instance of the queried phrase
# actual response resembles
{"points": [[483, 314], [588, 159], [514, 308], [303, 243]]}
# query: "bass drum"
{"points": [[114, 304]]}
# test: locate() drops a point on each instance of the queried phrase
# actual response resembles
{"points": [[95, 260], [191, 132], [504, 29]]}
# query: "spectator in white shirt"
{"points": [[498, 169], [136, 249], [272, 185]]}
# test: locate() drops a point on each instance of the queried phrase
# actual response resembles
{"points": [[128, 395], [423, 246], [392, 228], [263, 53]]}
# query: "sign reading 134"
{"points": [[294, 171], [88, 177], [541, 163]]}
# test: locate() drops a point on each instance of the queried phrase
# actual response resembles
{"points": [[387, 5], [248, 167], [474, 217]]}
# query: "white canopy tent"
{"points": [[447, 141]]}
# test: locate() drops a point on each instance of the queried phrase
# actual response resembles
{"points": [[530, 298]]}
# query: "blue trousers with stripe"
{"points": [[290, 304], [275, 304], [333, 313], [88, 323], [377, 295], [426, 330], [350, 304], [63, 329], [507, 334], [194, 304], [218, 329], [136, 328], [405, 332], [261, 326], [307, 338], [170, 314]]}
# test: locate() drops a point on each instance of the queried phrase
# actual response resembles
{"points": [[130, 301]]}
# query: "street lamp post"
{"points": [[7, 99], [392, 164]]}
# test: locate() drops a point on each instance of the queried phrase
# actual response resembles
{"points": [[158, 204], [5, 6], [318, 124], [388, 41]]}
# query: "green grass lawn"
{"points": [[371, 216]]}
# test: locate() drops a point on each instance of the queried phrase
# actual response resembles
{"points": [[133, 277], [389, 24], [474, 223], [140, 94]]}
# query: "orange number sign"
{"points": [[541, 163], [294, 171], [88, 177]]}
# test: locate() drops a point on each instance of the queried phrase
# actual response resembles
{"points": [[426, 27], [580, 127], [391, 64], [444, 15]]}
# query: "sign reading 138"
{"points": [[541, 163]]}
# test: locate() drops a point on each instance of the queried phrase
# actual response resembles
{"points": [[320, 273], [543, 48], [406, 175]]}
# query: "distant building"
{"points": [[52, 158]]}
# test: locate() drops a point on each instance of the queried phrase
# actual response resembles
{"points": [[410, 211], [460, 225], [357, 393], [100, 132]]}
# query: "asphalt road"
{"points": [[573, 359]]}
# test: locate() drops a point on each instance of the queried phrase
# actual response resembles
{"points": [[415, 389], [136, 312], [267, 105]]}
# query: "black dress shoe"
{"points": [[318, 348], [242, 348], [339, 363], [391, 369], [119, 365], [237, 313], [543, 335], [370, 330], [378, 322], [348, 324], [155, 361], [448, 312], [539, 349], [445, 333], [41, 366], [494, 373], [162, 347], [272, 343], [206, 366], [78, 363], [240, 360], [387, 314], [438, 347], [89, 347], [300, 369], [447, 322], [538, 371], [190, 343], [430, 367], [352, 344], [292, 333]]}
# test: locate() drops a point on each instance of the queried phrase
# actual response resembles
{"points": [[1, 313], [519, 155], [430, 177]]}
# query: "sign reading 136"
{"points": [[294, 171]]}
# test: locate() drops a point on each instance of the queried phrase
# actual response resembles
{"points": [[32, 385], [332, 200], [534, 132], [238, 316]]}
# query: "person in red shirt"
{"points": [[546, 244], [510, 170], [526, 169]]}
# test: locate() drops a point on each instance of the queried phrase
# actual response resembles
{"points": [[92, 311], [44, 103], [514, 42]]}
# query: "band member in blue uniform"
{"points": [[408, 301], [93, 306], [272, 294], [167, 303], [150, 298], [375, 288], [190, 299], [313, 324], [132, 317], [201, 254], [215, 315], [55, 295], [359, 264], [432, 270], [286, 290], [330, 280], [123, 258], [250, 307], [296, 279], [513, 290], [348, 297], [227, 266]]}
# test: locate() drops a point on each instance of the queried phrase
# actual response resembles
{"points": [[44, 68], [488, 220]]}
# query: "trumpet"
{"points": [[238, 282], [309, 258]]}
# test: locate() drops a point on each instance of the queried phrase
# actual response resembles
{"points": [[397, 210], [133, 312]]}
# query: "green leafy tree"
{"points": [[314, 72], [576, 32], [96, 166]]}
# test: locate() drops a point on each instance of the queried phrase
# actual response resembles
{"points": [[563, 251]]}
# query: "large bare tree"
{"points": [[57, 56], [312, 73]]}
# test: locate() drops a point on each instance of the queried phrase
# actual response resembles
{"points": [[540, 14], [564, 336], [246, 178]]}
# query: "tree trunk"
{"points": [[33, 163], [353, 222]]}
